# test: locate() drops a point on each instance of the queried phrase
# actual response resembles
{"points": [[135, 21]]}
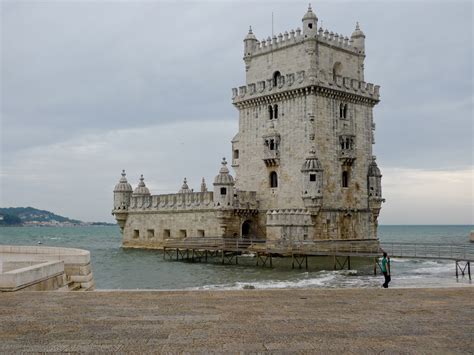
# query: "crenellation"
{"points": [[302, 155], [298, 80]]}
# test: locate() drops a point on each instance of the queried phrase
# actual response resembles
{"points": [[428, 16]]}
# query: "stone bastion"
{"points": [[33, 268]]}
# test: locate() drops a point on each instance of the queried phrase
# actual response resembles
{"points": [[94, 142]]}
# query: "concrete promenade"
{"points": [[429, 321]]}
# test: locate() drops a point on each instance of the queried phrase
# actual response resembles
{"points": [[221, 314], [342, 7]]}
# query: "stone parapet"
{"points": [[44, 262], [291, 38], [300, 80], [178, 201], [289, 217]]}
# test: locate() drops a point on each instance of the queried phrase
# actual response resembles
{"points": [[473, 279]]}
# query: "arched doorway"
{"points": [[246, 229]]}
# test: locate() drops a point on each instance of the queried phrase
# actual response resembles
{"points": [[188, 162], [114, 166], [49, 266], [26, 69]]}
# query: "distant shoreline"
{"points": [[98, 224]]}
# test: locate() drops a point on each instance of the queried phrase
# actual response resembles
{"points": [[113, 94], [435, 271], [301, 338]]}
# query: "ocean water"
{"points": [[117, 268]]}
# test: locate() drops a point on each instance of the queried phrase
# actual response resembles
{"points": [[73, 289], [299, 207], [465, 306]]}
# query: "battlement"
{"points": [[176, 201], [286, 39], [190, 201], [299, 80], [294, 217], [246, 200], [336, 40]]}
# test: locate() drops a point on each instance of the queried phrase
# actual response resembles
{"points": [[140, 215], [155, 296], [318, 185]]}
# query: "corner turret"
{"points": [[374, 180], [185, 188], [122, 192], [250, 43], [224, 187], [310, 24], [358, 39], [312, 172], [141, 189], [374, 187]]}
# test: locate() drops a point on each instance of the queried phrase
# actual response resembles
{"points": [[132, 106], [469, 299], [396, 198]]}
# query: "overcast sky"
{"points": [[92, 87]]}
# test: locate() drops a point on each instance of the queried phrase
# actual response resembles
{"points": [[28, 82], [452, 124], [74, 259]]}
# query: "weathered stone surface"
{"points": [[430, 321], [44, 268], [302, 155]]}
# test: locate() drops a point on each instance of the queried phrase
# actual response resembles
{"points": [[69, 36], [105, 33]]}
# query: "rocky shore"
{"points": [[293, 320]]}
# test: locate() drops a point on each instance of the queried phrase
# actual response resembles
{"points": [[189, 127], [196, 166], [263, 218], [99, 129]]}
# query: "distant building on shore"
{"points": [[303, 162]]}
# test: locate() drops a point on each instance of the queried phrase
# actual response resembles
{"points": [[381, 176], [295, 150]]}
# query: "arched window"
{"points": [[246, 226], [336, 70], [345, 179], [345, 111], [341, 110], [273, 179], [276, 77], [270, 112], [275, 111]]}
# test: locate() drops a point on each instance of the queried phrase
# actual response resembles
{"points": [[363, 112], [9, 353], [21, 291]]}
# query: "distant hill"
{"points": [[33, 216]]}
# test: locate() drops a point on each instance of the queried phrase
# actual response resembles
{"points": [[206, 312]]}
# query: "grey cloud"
{"points": [[74, 69]]}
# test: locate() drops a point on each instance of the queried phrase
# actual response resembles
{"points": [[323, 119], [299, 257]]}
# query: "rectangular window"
{"points": [[312, 177], [182, 233], [223, 191], [166, 233], [136, 234], [201, 233], [345, 179], [236, 154], [150, 233]]}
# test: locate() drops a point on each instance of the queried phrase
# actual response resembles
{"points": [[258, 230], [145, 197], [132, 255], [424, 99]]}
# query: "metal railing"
{"points": [[430, 251]]}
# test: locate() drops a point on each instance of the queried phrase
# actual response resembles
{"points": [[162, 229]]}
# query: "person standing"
{"points": [[386, 270]]}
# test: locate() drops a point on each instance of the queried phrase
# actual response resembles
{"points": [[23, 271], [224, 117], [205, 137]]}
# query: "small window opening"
{"points": [[236, 154], [310, 25], [201, 233], [312, 177], [273, 179], [223, 191], [272, 144], [341, 111], [150, 233], [136, 234], [182, 233], [345, 111], [166, 233], [270, 112], [275, 111], [345, 179], [276, 77]]}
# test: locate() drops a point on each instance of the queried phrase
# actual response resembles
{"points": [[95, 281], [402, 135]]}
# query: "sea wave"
{"points": [[326, 279]]}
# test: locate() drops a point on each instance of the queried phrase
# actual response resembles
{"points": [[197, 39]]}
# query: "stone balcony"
{"points": [[347, 156], [271, 157]]}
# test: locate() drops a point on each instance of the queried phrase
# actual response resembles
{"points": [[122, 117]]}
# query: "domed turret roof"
{"points": [[374, 169], [250, 35], [123, 185], [185, 188], [357, 32], [141, 188], [224, 178], [310, 15], [312, 162]]}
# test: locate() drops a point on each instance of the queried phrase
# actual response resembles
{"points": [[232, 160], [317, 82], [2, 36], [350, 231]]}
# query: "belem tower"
{"points": [[302, 157]]}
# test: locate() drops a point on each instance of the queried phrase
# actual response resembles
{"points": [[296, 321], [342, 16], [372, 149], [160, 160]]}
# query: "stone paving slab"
{"points": [[429, 321]]}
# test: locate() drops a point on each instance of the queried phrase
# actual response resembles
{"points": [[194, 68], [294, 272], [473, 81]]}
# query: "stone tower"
{"points": [[306, 134], [302, 157]]}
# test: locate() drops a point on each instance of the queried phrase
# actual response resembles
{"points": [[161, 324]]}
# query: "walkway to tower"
{"points": [[229, 250]]}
